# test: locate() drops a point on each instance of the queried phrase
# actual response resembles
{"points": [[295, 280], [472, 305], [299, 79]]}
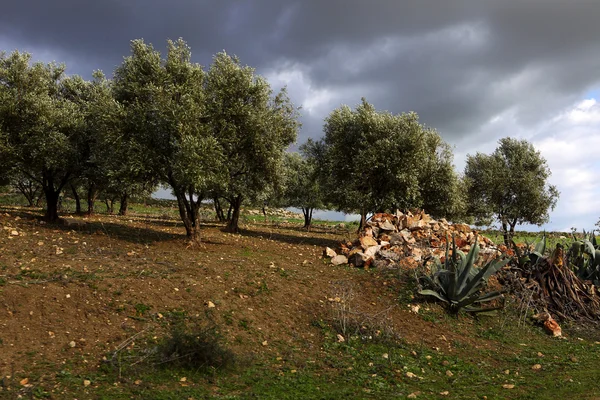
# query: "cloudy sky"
{"points": [[475, 70]]}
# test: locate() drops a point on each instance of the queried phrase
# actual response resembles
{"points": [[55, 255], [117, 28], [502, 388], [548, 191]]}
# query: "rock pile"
{"points": [[406, 239]]}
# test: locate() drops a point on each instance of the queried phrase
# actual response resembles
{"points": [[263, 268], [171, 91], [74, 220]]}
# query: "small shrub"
{"points": [[193, 347]]}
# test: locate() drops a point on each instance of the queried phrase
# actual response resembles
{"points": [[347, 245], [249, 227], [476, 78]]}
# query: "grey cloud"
{"points": [[453, 62]]}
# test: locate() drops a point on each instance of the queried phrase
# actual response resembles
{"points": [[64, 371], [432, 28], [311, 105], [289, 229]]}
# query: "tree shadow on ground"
{"points": [[277, 234]]}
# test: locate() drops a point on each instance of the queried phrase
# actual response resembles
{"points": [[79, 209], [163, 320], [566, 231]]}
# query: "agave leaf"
{"points": [[540, 247], [489, 311], [427, 292], [588, 247], [484, 274], [465, 301], [490, 296], [594, 241], [468, 266]]}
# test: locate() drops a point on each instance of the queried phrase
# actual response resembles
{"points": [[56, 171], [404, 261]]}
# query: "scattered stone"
{"points": [[264, 343], [210, 304], [24, 382], [411, 375], [340, 338], [14, 233], [329, 252], [508, 386], [385, 355], [536, 367], [339, 259], [72, 344], [449, 373], [86, 382], [444, 393]]}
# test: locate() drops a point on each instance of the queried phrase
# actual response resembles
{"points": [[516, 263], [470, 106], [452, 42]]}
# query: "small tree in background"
{"points": [[301, 188], [510, 185]]}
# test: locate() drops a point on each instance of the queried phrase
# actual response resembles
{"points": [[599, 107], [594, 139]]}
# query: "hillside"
{"points": [[86, 303]]}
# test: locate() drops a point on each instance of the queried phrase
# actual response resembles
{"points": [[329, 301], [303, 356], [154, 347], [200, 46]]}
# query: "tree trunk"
{"points": [[51, 204], [233, 225], [38, 202], [188, 211], [124, 204], [363, 220], [505, 233], [219, 209], [91, 199], [264, 211], [77, 200], [229, 211], [307, 212]]}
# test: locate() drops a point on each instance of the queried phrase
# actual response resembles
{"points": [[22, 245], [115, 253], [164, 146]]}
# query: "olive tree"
{"points": [[252, 127], [301, 188], [374, 161], [510, 185], [40, 127], [165, 124]]}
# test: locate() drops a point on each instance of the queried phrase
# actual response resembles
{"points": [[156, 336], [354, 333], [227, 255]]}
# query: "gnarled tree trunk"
{"points": [[233, 225], [307, 212], [77, 199], [124, 204]]}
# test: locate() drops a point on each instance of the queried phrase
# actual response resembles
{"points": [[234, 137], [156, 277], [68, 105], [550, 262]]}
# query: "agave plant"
{"points": [[457, 282], [584, 257], [526, 259]]}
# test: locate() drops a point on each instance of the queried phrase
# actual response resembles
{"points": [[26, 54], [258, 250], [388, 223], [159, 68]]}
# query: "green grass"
{"points": [[379, 368]]}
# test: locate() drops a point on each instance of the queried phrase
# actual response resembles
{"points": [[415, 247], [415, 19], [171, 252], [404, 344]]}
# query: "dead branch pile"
{"points": [[549, 285]]}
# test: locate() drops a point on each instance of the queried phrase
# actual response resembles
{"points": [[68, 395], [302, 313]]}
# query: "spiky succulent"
{"points": [[528, 258], [584, 258], [458, 283]]}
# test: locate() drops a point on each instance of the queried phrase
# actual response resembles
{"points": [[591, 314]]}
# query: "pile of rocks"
{"points": [[406, 239]]}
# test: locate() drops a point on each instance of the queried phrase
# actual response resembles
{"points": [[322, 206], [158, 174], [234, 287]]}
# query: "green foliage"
{"points": [[529, 256], [373, 161], [41, 127], [300, 187], [584, 258], [510, 185], [252, 127], [458, 283], [165, 125]]}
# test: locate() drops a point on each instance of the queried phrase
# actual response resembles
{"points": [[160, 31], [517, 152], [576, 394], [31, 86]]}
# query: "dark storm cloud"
{"points": [[457, 63]]}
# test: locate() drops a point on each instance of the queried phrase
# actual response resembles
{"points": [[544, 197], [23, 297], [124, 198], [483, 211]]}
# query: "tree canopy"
{"points": [[510, 185], [41, 127], [301, 188], [252, 127], [165, 108], [375, 161]]}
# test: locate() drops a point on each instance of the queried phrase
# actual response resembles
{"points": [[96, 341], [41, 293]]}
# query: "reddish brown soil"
{"points": [[268, 285]]}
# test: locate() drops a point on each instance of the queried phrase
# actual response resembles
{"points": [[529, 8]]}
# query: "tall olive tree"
{"points": [[166, 126], [40, 127], [510, 185], [252, 127], [375, 161]]}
